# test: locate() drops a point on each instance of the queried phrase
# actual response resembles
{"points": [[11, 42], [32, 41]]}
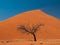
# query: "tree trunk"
{"points": [[34, 37]]}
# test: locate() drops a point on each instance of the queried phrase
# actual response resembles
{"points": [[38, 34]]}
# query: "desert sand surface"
{"points": [[49, 30]]}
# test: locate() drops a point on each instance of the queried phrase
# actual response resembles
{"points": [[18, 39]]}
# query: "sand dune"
{"points": [[50, 30]]}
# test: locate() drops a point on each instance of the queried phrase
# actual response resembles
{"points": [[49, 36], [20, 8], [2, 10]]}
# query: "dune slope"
{"points": [[50, 30]]}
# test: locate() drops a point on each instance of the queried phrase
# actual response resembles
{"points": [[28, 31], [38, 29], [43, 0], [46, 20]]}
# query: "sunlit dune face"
{"points": [[49, 30]]}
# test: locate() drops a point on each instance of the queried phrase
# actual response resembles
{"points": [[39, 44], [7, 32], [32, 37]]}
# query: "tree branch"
{"points": [[23, 28], [36, 27]]}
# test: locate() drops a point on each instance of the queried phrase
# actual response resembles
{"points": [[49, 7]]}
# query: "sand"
{"points": [[49, 30]]}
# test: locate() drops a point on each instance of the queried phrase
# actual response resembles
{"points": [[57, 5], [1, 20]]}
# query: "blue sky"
{"points": [[9, 8]]}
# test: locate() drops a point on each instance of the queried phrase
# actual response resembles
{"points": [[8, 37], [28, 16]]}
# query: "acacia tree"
{"points": [[29, 30]]}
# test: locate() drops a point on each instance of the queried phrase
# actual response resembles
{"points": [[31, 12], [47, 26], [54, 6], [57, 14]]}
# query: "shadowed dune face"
{"points": [[50, 30]]}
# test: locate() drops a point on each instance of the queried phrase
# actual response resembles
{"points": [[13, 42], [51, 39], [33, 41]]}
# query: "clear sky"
{"points": [[9, 8]]}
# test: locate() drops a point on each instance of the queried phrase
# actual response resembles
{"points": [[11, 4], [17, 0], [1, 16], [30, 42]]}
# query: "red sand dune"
{"points": [[50, 30]]}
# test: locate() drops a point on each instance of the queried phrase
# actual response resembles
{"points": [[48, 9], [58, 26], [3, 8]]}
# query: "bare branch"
{"points": [[34, 29], [23, 28]]}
